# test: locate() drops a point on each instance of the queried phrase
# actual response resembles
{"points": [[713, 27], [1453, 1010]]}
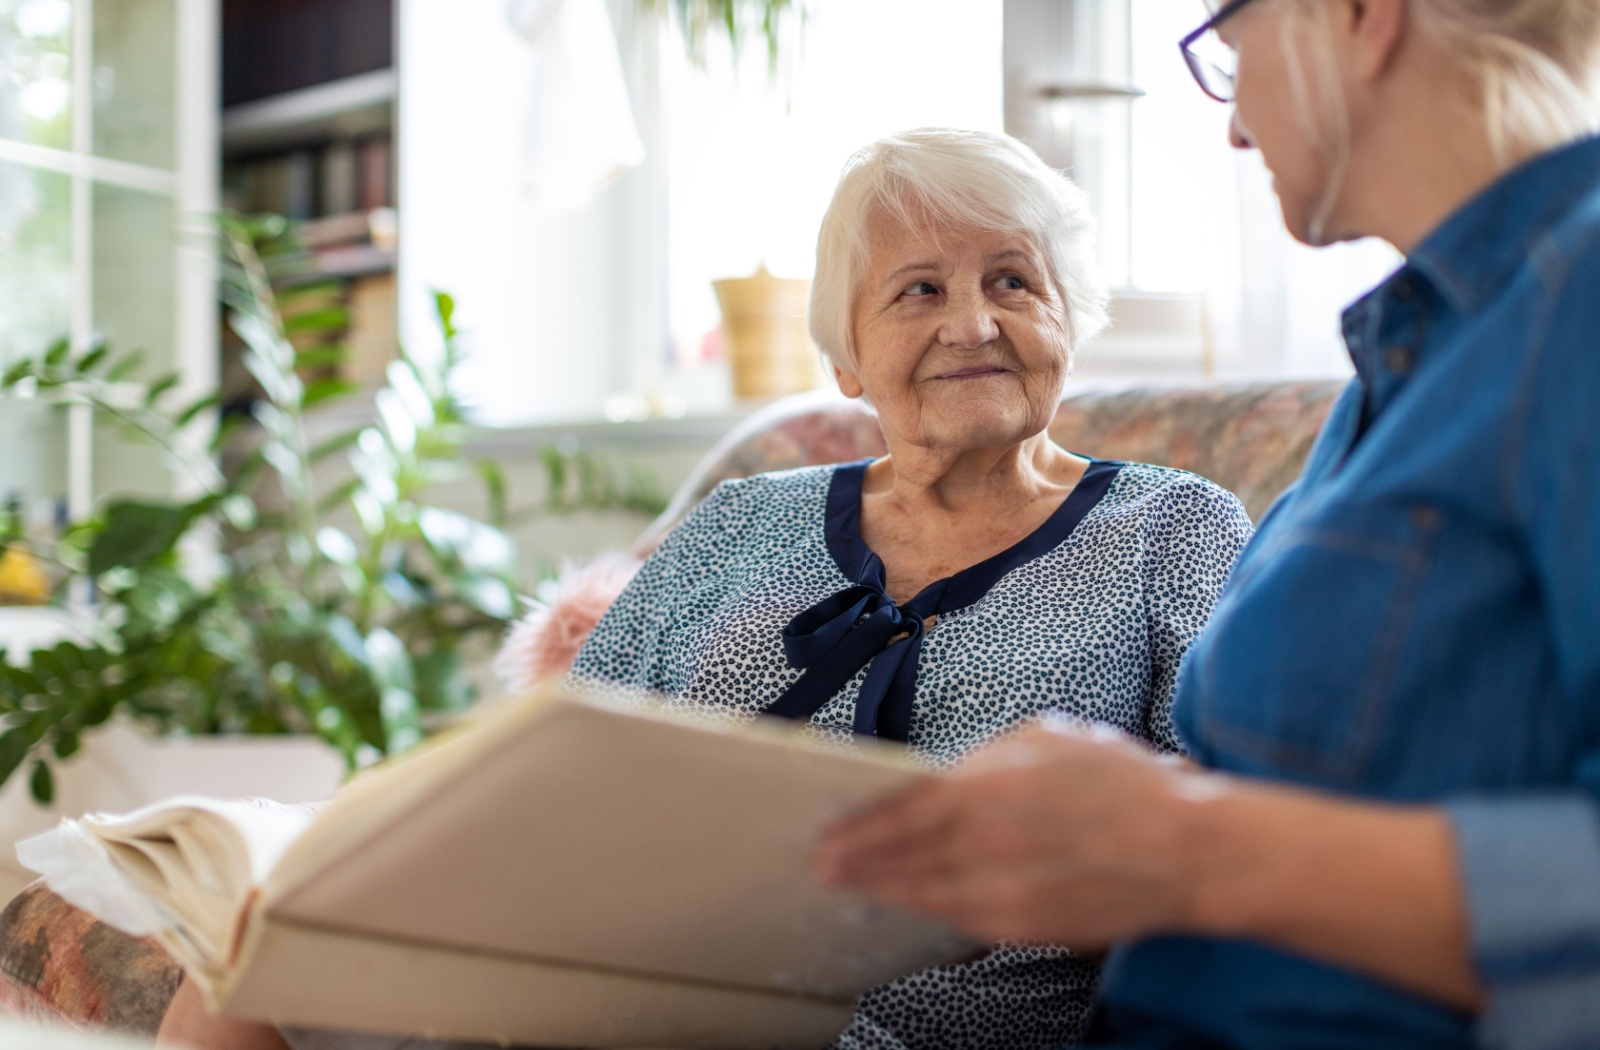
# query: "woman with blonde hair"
{"points": [[1396, 842]]}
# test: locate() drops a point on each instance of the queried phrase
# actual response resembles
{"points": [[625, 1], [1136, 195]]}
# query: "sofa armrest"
{"points": [[61, 964]]}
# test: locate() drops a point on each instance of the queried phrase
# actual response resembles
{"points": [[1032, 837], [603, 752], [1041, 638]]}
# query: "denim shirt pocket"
{"points": [[1307, 651]]}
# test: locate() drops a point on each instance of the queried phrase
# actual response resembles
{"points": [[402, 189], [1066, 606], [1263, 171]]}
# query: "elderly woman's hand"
{"points": [[1059, 833]]}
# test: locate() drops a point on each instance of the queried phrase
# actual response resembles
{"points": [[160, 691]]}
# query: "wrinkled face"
{"points": [[962, 340], [1267, 117]]}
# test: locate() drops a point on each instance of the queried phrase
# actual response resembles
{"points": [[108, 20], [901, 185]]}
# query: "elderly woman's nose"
{"points": [[969, 321]]}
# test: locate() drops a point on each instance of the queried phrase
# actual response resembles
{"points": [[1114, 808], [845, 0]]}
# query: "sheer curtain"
{"points": [[1204, 219], [557, 305], [753, 158], [609, 312]]}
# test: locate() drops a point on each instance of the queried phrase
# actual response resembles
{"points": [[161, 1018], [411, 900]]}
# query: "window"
{"points": [[1208, 281], [753, 163], [572, 315], [107, 141], [609, 311]]}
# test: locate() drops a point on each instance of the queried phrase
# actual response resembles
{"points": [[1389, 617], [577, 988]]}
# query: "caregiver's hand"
{"points": [[1079, 836], [1052, 834]]}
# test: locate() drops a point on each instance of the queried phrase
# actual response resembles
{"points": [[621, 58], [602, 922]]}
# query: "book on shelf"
{"points": [[564, 870], [336, 177], [299, 185], [375, 160]]}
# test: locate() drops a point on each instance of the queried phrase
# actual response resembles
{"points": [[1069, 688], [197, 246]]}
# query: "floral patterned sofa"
{"points": [[59, 964]]}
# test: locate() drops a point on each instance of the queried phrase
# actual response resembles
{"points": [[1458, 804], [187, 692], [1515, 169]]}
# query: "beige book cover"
{"points": [[564, 871]]}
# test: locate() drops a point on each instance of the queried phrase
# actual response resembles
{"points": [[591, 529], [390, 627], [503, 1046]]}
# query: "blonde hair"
{"points": [[963, 180], [1537, 63]]}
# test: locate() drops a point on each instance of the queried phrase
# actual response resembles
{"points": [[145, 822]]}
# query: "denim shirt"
{"points": [[1418, 620]]}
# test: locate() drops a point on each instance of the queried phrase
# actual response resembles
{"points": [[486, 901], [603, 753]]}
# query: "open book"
{"points": [[561, 872]]}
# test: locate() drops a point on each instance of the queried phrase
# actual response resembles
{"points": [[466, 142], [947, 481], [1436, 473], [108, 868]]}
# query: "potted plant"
{"points": [[267, 605]]}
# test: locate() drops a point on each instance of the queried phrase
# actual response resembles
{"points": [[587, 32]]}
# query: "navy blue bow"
{"points": [[862, 625], [839, 635]]}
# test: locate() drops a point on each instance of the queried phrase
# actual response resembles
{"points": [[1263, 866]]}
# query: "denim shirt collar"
{"points": [[1461, 266], [1472, 254]]}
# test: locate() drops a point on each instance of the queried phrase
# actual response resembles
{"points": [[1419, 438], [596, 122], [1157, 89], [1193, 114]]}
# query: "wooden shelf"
{"points": [[346, 108]]}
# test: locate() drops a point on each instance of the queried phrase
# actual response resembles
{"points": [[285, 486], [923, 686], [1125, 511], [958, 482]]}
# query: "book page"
{"points": [[184, 869]]}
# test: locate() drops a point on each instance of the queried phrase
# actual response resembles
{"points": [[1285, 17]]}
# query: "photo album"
{"points": [[562, 870]]}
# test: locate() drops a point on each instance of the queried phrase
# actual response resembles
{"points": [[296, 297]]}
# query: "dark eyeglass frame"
{"points": [[1196, 64]]}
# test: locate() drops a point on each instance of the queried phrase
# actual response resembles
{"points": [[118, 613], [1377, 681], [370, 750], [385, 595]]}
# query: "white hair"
{"points": [[1536, 62], [962, 180]]}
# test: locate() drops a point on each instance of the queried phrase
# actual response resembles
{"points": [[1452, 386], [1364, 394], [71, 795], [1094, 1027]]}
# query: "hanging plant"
{"points": [[738, 20]]}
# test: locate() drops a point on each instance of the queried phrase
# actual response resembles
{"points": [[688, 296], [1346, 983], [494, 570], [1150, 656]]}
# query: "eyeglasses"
{"points": [[1212, 62]]}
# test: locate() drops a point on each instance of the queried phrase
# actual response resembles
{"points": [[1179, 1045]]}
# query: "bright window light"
{"points": [[753, 161]]}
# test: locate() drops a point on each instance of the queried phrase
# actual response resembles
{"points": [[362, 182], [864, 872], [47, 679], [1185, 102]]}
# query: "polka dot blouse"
{"points": [[1088, 616]]}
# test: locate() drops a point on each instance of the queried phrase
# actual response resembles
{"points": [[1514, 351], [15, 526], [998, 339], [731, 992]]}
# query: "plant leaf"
{"points": [[494, 483], [321, 357], [390, 663], [327, 319], [336, 545], [407, 384], [124, 367], [475, 546], [190, 412], [14, 746], [398, 424], [310, 290], [67, 743], [338, 443], [88, 362], [323, 390], [444, 305], [135, 533], [338, 496], [42, 785], [160, 387]]}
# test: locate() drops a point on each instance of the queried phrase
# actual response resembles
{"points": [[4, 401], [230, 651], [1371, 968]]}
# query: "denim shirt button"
{"points": [[1399, 359], [1427, 518]]}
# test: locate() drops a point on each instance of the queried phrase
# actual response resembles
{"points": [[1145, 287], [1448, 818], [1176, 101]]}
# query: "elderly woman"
{"points": [[1410, 648], [976, 576]]}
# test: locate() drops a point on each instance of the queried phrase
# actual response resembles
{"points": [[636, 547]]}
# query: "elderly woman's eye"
{"points": [[1012, 283], [922, 288]]}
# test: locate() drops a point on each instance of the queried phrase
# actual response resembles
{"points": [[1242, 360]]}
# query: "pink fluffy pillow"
{"points": [[543, 644]]}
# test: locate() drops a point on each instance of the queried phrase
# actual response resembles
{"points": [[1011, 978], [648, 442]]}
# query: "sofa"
{"points": [[59, 964]]}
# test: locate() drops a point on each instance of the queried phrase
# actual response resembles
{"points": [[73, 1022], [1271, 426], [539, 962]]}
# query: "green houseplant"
{"points": [[275, 600]]}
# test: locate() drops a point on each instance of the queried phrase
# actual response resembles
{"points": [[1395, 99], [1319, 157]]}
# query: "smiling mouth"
{"points": [[974, 372]]}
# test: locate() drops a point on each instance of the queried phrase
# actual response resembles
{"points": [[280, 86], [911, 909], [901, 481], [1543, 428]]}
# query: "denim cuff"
{"points": [[1531, 869], [1556, 1013]]}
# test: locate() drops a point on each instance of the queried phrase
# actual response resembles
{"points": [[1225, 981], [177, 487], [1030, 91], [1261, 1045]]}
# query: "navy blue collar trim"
{"points": [[861, 626], [860, 564]]}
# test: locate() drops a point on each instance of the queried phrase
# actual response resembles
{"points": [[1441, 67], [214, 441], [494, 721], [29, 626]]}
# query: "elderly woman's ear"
{"points": [[849, 382]]}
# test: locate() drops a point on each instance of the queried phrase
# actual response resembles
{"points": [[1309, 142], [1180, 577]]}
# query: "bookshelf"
{"points": [[347, 108], [310, 89]]}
